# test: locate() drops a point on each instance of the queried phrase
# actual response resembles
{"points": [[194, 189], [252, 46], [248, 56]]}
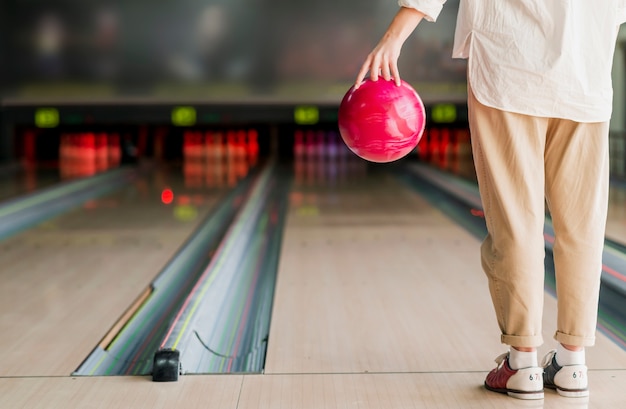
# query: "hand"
{"points": [[383, 60]]}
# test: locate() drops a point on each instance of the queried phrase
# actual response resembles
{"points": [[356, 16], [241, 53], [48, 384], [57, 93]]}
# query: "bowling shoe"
{"points": [[568, 380], [525, 383]]}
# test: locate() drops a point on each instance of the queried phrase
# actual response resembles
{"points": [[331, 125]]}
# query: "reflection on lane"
{"points": [[616, 220], [23, 180], [216, 158]]}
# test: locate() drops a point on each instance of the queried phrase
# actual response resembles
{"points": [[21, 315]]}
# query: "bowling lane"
{"points": [[18, 181], [616, 223], [66, 281], [373, 278]]}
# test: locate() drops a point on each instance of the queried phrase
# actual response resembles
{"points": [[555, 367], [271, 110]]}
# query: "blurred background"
{"points": [[213, 49], [69, 66]]}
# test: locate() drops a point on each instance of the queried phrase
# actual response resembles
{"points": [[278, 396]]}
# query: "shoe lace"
{"points": [[500, 359], [547, 359]]}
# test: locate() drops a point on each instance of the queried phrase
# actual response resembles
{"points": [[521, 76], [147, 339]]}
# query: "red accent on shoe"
{"points": [[497, 379]]}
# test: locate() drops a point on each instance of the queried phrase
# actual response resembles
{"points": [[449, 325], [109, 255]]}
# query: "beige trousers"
{"points": [[522, 163]]}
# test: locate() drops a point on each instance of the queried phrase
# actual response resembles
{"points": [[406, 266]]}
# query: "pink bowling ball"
{"points": [[381, 121]]}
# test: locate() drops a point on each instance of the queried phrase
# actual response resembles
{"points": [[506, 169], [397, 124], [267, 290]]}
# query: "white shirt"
{"points": [[543, 58]]}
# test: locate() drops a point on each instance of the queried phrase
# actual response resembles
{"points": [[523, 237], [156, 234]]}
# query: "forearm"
{"points": [[403, 24]]}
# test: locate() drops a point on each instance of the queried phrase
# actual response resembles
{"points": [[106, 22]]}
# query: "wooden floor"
{"points": [[380, 303], [439, 390]]}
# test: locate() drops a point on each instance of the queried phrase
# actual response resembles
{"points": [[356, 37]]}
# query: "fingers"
{"points": [[389, 70], [379, 63], [364, 69], [385, 72], [375, 68], [396, 74]]}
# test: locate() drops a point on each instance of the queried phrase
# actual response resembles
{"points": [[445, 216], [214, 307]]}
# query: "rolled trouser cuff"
{"points": [[574, 340], [526, 341]]}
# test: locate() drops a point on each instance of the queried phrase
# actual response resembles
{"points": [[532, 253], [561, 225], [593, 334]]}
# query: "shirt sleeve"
{"points": [[621, 11], [431, 8]]}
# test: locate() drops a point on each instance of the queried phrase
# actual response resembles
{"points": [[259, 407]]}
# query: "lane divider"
{"points": [[130, 351], [223, 324], [121, 323], [26, 211]]}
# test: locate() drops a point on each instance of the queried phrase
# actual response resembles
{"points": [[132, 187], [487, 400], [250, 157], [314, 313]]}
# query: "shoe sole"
{"points": [[536, 395], [569, 393], [573, 394], [525, 395]]}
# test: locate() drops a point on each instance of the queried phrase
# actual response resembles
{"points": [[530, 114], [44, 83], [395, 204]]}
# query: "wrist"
{"points": [[404, 23]]}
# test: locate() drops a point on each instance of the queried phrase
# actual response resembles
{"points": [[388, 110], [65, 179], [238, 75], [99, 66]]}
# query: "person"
{"points": [[539, 105]]}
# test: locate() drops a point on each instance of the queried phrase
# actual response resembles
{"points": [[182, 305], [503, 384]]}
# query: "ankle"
{"points": [[567, 356], [519, 359], [573, 348], [524, 349]]}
